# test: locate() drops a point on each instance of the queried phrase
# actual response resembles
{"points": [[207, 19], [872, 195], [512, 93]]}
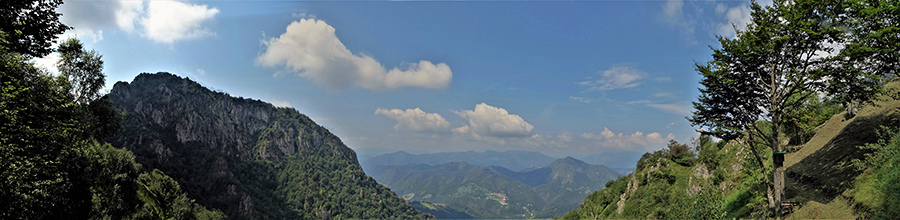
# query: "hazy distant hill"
{"points": [[513, 160], [619, 161], [495, 191], [246, 157]]}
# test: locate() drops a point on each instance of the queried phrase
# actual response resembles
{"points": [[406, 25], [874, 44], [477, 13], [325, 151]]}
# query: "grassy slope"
{"points": [[821, 176]]}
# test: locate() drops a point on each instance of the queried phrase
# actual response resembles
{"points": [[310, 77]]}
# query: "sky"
{"points": [[565, 78]]}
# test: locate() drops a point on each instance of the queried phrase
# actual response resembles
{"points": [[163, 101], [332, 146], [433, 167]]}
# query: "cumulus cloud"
{"points": [[673, 14], [493, 121], [617, 77], [416, 119], [565, 137], [170, 21], [310, 48], [735, 17], [161, 21], [620, 141]]}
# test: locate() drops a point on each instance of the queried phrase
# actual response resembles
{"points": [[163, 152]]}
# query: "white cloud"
{"points": [[493, 121], [673, 14], [201, 72], [303, 15], [636, 141], [48, 62], [416, 119], [664, 95], [128, 14], [160, 21], [311, 49], [673, 108], [170, 21], [580, 99], [616, 77], [735, 17], [565, 137], [89, 18], [642, 101]]}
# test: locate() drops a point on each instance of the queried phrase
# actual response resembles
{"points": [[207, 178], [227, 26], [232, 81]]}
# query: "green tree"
{"points": [[872, 50], [757, 75], [83, 68], [29, 27]]}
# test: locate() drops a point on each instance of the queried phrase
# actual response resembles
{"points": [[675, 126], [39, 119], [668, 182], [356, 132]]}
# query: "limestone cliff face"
{"points": [[223, 123], [229, 152]]}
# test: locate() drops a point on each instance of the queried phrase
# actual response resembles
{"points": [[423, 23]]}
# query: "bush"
{"points": [[708, 152], [708, 204], [883, 164], [680, 153]]}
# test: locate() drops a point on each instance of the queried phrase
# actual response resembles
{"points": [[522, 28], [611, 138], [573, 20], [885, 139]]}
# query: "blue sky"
{"points": [[563, 78]]}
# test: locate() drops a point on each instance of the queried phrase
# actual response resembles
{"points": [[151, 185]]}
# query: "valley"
{"points": [[489, 191]]}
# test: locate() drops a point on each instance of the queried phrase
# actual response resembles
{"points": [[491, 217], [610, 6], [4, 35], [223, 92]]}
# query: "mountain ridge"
{"points": [[495, 191], [513, 159], [246, 157]]}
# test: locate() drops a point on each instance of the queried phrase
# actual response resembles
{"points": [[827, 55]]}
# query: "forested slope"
{"points": [[246, 157]]}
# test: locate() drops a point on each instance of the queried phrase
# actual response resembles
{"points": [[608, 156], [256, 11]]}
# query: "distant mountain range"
{"points": [[513, 160], [621, 162], [449, 189]]}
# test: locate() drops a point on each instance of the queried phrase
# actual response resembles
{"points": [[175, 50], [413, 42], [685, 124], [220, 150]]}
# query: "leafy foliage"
{"points": [[882, 167], [680, 153], [51, 165], [815, 110], [29, 27], [83, 68]]}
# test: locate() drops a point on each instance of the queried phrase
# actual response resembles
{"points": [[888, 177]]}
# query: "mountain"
{"points": [[495, 191], [440, 210], [847, 170], [246, 157], [623, 162], [513, 160]]}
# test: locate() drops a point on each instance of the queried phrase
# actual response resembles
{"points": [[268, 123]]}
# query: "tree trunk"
{"points": [[779, 189], [762, 167], [770, 196], [778, 173]]}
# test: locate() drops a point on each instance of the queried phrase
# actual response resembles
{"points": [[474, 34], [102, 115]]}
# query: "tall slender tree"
{"points": [[783, 56]]}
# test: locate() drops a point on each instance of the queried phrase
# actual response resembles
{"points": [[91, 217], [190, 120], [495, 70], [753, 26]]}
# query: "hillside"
{"points": [[495, 192], [246, 157], [724, 182], [513, 160]]}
